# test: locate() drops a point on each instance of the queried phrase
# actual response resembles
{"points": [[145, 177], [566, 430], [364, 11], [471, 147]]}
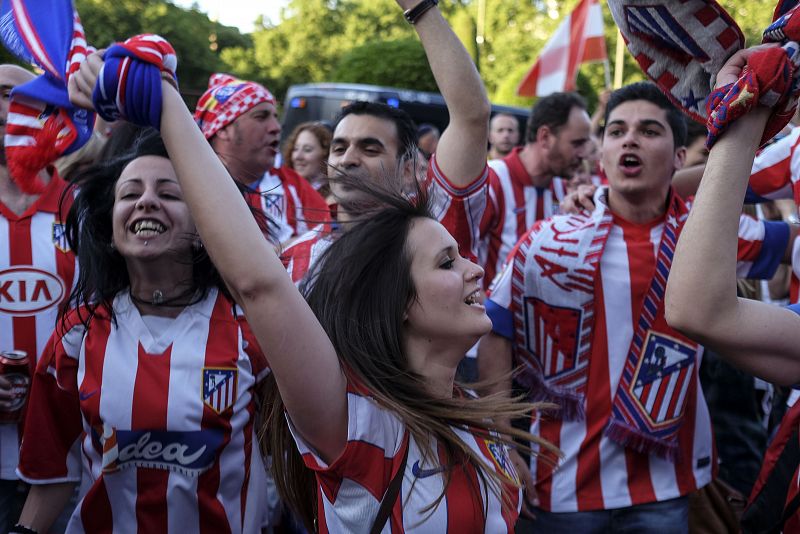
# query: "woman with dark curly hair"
{"points": [[145, 394]]}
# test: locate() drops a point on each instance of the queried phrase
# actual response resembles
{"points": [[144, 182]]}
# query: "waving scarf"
{"points": [[682, 46], [553, 289], [42, 125]]}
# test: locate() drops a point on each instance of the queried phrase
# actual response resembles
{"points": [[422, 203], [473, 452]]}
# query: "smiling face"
{"points": [[308, 157], [367, 143], [449, 303], [638, 154], [365, 146], [150, 219]]}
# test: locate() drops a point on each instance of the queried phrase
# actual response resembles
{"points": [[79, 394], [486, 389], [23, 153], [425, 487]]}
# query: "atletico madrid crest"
{"points": [[219, 387], [663, 377], [553, 335], [502, 461], [60, 237]]}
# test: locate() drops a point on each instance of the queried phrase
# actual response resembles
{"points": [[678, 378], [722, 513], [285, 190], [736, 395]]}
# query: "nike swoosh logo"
{"points": [[419, 472], [83, 396]]}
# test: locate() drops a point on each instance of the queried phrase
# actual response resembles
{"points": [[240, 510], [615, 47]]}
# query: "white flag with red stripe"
{"points": [[578, 39]]}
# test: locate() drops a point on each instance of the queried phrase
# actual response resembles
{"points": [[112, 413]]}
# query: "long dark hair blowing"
{"points": [[359, 290], [103, 272]]}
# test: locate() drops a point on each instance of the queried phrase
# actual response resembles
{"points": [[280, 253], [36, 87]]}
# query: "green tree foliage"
{"points": [[397, 63], [197, 40], [366, 40]]}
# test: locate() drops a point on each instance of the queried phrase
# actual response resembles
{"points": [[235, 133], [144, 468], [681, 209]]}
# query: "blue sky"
{"points": [[239, 13]]}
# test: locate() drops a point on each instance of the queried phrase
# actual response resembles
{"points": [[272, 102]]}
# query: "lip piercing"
{"points": [[145, 243]]}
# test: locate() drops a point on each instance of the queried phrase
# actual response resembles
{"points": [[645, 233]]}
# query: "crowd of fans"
{"points": [[394, 329]]}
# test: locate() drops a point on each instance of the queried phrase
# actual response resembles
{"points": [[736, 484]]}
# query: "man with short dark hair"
{"points": [[527, 188], [580, 306], [378, 142], [503, 135]]}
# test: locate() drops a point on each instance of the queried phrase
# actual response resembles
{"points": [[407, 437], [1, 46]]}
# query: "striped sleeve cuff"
{"points": [[773, 249]]}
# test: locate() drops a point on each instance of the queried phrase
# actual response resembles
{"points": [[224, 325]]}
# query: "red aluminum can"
{"points": [[14, 368]]}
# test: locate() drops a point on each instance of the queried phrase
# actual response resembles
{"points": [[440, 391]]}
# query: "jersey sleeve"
{"points": [[50, 451], [774, 170], [375, 438], [762, 246], [465, 211]]}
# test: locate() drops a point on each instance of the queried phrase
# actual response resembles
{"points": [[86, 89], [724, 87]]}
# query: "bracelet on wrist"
{"points": [[415, 13]]}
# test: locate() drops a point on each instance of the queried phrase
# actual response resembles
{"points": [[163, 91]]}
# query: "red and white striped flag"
{"points": [[578, 39]]}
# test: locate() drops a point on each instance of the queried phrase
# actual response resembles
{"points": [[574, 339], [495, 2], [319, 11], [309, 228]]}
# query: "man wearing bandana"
{"points": [[240, 120]]}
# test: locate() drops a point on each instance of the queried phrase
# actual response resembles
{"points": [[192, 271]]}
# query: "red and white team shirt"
{"points": [[596, 472], [776, 175], [351, 488], [514, 206], [290, 203], [460, 210], [37, 271], [156, 424]]}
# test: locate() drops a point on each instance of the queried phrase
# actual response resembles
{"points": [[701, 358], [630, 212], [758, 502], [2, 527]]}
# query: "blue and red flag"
{"points": [[42, 125]]}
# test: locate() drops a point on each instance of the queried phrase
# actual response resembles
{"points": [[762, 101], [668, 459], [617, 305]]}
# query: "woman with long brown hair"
{"points": [[365, 369]]}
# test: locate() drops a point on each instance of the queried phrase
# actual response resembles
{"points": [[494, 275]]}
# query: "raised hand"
{"points": [[81, 83], [731, 71]]}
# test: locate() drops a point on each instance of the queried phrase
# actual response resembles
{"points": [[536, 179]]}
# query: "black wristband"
{"points": [[413, 15], [22, 529]]}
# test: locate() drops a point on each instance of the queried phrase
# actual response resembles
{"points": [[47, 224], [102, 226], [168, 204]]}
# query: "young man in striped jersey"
{"points": [[37, 270], [580, 307]]}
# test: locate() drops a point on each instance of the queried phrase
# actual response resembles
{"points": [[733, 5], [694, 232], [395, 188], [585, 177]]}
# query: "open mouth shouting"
{"points": [[630, 164]]}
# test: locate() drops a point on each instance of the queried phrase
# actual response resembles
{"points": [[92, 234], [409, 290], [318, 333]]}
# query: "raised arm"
{"points": [[301, 356], [461, 152], [701, 296]]}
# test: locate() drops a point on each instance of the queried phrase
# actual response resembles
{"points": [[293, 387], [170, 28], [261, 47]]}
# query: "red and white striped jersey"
{"points": [[37, 271], [289, 202], [155, 419], [776, 175], [460, 210], [514, 206], [776, 171], [598, 473], [351, 488]]}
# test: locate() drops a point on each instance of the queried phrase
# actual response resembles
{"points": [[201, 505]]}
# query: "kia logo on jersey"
{"points": [[28, 291], [189, 452]]}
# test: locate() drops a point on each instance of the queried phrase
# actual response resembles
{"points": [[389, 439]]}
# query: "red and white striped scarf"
{"points": [[553, 287]]}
